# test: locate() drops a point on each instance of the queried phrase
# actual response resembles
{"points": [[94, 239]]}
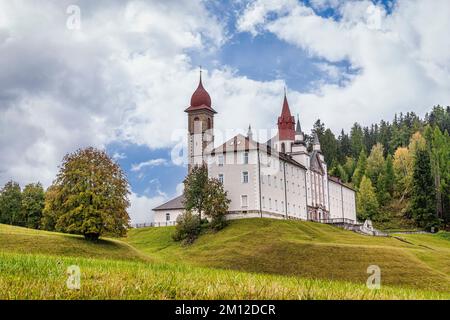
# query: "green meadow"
{"points": [[250, 259]]}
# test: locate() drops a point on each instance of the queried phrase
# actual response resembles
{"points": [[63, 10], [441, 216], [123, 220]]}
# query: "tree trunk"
{"points": [[92, 236]]}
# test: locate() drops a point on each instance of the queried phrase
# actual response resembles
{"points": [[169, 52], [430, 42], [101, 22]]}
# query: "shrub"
{"points": [[188, 228]]}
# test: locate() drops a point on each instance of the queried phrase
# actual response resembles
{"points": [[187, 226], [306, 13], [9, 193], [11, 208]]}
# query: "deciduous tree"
{"points": [[367, 203], [33, 198], [11, 204], [91, 195]]}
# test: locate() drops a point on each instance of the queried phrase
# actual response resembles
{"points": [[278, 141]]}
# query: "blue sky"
{"points": [[263, 58], [118, 74]]}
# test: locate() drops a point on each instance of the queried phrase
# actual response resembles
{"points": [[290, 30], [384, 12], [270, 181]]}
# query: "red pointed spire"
{"points": [[286, 122]]}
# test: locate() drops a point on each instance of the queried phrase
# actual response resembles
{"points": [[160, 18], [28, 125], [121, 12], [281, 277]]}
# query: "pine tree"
{"points": [[439, 150], [329, 147], [357, 140], [367, 203], [389, 178], [423, 199]]}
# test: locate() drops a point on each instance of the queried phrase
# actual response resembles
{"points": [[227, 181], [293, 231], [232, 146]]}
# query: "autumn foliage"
{"points": [[89, 196]]}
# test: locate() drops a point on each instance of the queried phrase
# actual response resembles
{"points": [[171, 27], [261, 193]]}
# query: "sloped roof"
{"points": [[175, 203], [315, 162], [242, 143]]}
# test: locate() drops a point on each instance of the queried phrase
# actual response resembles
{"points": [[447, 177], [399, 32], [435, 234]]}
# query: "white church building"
{"points": [[277, 179]]}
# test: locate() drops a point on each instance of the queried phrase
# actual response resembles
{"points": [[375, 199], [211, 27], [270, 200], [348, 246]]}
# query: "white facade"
{"points": [[261, 184], [166, 217], [278, 179]]}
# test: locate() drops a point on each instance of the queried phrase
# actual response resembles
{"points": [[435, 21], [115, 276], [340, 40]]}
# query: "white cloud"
{"points": [[119, 156], [127, 76], [402, 58], [112, 80], [179, 189], [149, 163], [141, 207]]}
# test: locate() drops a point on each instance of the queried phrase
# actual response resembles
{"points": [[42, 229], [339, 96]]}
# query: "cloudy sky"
{"points": [[118, 74]]}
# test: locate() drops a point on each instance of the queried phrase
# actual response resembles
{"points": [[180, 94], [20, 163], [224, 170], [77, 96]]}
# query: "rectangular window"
{"points": [[276, 205], [244, 201], [270, 204], [245, 177], [221, 161], [262, 179], [282, 206], [281, 184], [263, 202], [221, 178], [245, 157], [268, 179], [167, 216]]}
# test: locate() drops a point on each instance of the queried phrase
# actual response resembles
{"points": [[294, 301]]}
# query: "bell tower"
{"points": [[200, 126], [286, 128]]}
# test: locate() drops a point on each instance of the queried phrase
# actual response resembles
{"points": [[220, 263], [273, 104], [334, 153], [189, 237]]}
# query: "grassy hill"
{"points": [[274, 265], [309, 250], [23, 240]]}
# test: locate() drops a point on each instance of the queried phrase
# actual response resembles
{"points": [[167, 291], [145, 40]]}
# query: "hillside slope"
{"points": [[33, 265], [308, 250], [22, 240]]}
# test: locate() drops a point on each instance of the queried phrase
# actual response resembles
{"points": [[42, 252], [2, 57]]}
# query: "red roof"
{"points": [[286, 123], [200, 98]]}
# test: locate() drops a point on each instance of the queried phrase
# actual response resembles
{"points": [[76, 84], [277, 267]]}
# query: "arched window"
{"points": [[283, 147], [209, 123]]}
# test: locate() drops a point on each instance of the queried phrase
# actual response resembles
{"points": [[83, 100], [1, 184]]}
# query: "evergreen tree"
{"points": [[367, 203], [389, 178], [423, 199], [329, 146], [33, 198], [357, 140], [345, 148], [11, 204], [439, 150]]}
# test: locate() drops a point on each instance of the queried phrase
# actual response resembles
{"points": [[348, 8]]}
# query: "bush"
{"points": [[188, 228], [218, 223]]}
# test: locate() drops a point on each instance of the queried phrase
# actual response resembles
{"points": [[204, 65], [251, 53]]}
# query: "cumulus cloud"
{"points": [[402, 58], [141, 207], [112, 80], [126, 75]]}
